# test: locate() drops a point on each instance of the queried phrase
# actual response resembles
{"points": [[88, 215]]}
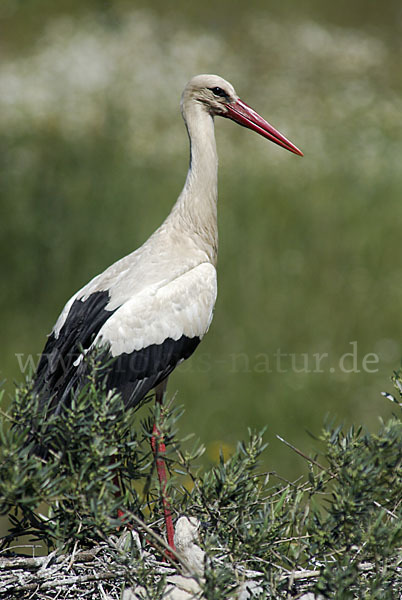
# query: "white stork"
{"points": [[150, 310]]}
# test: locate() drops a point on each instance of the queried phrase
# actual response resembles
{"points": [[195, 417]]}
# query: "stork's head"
{"points": [[219, 98]]}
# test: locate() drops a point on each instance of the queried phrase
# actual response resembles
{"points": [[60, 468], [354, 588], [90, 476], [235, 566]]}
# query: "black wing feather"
{"points": [[135, 374], [56, 368], [132, 374]]}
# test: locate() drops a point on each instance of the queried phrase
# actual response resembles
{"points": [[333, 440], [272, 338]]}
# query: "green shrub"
{"points": [[339, 532]]}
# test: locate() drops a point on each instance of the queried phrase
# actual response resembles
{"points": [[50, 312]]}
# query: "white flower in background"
{"points": [[326, 80]]}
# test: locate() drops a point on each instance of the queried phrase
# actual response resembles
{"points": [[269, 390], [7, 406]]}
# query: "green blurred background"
{"points": [[93, 153]]}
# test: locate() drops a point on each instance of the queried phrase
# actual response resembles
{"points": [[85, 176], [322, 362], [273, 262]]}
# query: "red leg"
{"points": [[116, 481], [159, 449]]}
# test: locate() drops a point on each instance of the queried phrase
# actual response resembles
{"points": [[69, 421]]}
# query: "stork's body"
{"points": [[151, 309]]}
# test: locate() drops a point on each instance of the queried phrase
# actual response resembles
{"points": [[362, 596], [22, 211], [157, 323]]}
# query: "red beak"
{"points": [[243, 114]]}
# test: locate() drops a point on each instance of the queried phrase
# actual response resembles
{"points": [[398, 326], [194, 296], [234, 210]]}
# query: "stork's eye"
{"points": [[217, 91]]}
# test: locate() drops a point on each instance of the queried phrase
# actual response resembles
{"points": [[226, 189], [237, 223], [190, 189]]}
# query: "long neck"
{"points": [[196, 208]]}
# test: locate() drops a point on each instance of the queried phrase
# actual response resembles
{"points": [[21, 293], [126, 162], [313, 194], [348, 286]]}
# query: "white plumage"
{"points": [[183, 306], [150, 309]]}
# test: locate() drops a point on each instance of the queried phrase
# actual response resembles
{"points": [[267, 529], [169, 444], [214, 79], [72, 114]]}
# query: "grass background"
{"points": [[93, 154]]}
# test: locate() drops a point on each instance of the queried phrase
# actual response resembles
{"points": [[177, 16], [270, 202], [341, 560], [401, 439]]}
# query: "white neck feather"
{"points": [[195, 211]]}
